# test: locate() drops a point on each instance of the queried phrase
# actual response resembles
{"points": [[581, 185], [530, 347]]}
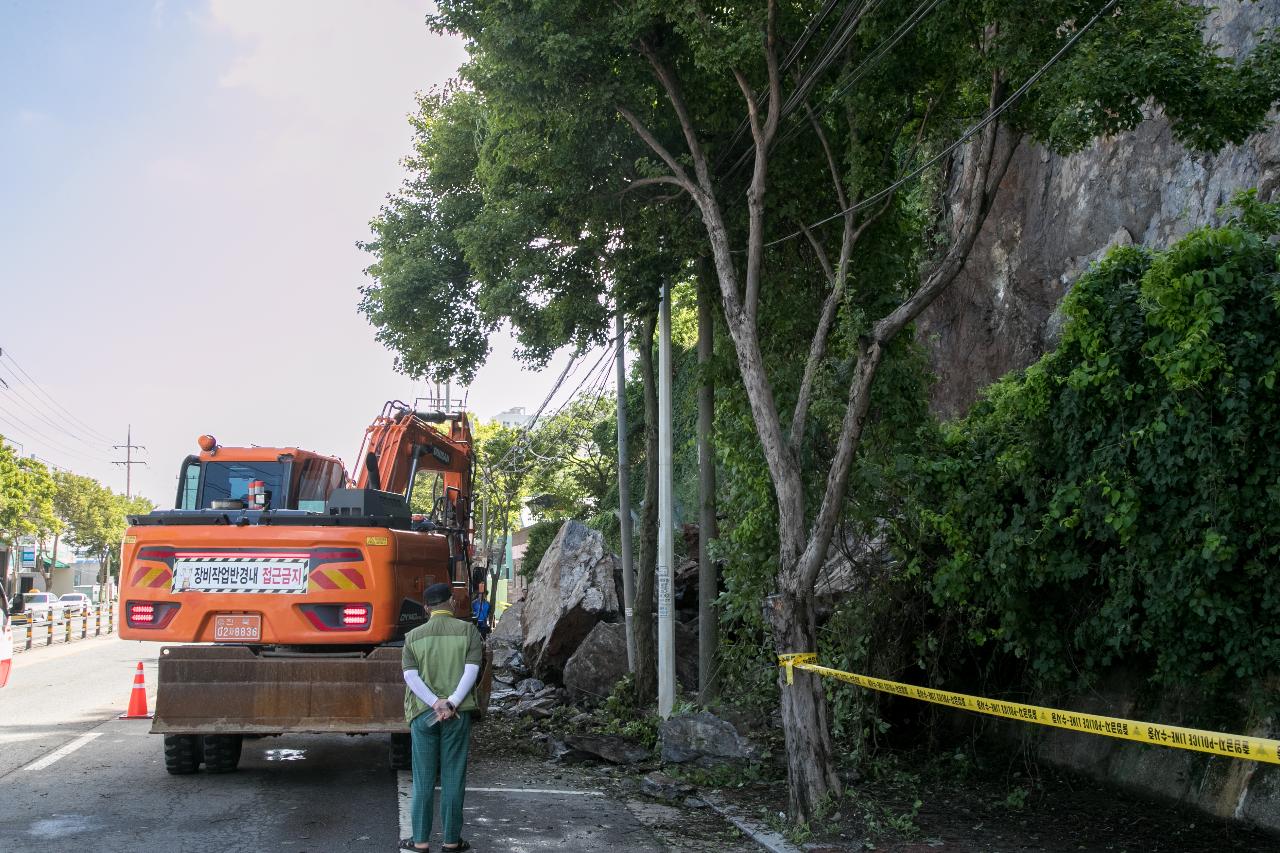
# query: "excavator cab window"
{"points": [[318, 479], [189, 483], [229, 481]]}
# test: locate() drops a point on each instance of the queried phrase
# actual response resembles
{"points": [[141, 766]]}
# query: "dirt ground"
{"points": [[501, 749], [911, 804], [904, 803]]}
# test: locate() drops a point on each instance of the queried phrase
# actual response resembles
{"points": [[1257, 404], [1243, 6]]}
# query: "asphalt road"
{"points": [[72, 775]]}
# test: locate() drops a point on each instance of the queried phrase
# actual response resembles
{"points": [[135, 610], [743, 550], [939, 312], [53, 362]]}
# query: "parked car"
{"points": [[76, 604], [39, 605]]}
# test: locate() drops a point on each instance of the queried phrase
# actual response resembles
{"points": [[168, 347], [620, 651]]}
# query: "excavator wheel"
{"points": [[222, 752], [401, 752], [181, 754]]}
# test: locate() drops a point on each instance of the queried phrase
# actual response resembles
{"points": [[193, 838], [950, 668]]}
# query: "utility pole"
{"points": [[666, 519], [128, 447], [624, 494]]}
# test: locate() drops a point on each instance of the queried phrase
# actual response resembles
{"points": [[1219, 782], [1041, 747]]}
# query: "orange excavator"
{"points": [[300, 584]]}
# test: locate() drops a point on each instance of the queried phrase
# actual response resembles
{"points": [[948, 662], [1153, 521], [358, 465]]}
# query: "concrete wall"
{"points": [[1229, 788]]}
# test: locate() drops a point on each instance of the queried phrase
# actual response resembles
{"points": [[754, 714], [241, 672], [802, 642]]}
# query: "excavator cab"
{"points": [[258, 479]]}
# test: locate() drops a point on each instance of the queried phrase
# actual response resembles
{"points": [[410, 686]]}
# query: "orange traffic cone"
{"points": [[137, 699]]}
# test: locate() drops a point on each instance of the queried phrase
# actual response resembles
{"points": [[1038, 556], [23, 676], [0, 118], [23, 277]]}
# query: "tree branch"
{"points": [[831, 160], [855, 416], [980, 183], [818, 347], [678, 171], [763, 137], [657, 179], [672, 87]]}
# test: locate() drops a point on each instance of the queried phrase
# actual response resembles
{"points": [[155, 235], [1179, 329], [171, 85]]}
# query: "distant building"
{"points": [[514, 417], [37, 557]]}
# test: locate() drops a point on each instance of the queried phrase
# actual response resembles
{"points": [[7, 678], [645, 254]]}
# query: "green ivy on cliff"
{"points": [[1119, 501]]}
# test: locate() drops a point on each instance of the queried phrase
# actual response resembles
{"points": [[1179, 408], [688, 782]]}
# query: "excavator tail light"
{"points": [[150, 614], [339, 617]]}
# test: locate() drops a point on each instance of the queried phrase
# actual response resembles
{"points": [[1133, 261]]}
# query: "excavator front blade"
{"points": [[208, 690]]}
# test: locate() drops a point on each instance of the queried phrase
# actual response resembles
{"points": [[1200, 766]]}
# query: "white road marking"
{"points": [[404, 801], [556, 791], [62, 751], [404, 797]]}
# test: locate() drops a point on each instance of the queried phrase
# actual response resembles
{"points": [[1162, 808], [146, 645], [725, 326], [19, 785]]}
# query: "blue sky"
{"points": [[181, 189]]}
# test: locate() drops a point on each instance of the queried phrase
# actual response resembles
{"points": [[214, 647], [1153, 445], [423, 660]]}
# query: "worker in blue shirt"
{"points": [[480, 611]]}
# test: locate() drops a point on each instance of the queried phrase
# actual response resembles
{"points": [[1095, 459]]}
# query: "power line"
{"points": [[839, 38], [792, 55], [522, 442], [965, 137], [863, 68], [30, 432], [40, 410], [6, 354], [908, 24]]}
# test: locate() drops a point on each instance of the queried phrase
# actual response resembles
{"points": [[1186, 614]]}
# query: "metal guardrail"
{"points": [[95, 623]]}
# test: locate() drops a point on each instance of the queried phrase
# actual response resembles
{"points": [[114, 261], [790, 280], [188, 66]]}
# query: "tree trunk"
{"points": [[708, 586], [646, 634], [806, 723]]}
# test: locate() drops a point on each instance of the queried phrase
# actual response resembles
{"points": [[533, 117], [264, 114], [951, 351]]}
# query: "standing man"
{"points": [[480, 611], [441, 663]]}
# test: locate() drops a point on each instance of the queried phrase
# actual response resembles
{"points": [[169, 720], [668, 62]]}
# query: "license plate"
{"points": [[238, 628], [209, 573]]}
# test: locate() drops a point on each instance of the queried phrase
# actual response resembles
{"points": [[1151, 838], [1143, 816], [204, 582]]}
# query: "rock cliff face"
{"points": [[1054, 215]]}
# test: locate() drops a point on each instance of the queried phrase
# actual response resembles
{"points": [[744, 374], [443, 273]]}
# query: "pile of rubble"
{"points": [[566, 640], [565, 644]]}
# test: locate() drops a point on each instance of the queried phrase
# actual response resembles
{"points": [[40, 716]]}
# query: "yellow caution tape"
{"points": [[1232, 746]]}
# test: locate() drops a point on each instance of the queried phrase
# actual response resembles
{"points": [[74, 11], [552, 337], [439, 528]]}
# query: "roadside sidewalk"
{"points": [[519, 802]]}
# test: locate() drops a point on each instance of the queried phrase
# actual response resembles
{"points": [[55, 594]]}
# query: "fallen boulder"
{"points": [[510, 628], [572, 590], [537, 707], [559, 751], [601, 660], [612, 748], [705, 738]]}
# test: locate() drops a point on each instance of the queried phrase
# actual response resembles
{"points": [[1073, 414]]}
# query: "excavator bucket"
{"points": [[230, 690], [208, 690]]}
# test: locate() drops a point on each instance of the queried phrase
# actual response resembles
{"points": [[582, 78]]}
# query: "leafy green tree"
{"points": [[824, 99], [498, 227], [574, 455], [501, 479], [93, 517], [14, 501]]}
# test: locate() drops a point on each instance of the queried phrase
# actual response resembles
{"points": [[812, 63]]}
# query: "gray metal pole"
{"points": [[666, 517], [624, 496]]}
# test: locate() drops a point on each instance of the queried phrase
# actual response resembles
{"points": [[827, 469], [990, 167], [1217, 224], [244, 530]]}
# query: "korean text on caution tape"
{"points": [[1232, 746]]}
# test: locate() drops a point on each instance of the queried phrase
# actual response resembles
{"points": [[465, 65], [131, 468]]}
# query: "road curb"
{"points": [[766, 838]]}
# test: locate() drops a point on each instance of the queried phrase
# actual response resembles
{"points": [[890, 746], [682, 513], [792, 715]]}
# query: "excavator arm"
{"points": [[401, 442]]}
